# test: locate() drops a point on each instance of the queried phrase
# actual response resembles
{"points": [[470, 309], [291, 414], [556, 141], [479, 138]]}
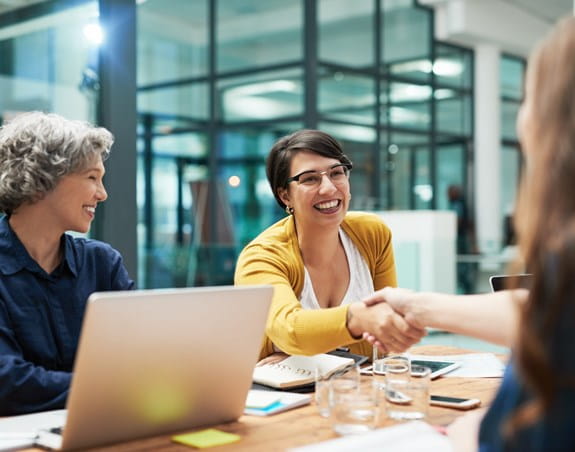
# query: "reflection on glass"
{"points": [[181, 144], [346, 35], [411, 26], [509, 111], [422, 187], [454, 115], [172, 40], [30, 79], [453, 66], [510, 172], [269, 95], [511, 73], [252, 33], [450, 170], [189, 101], [346, 96]]}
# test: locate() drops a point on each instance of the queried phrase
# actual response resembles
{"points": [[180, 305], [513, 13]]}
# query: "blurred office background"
{"points": [[423, 95]]}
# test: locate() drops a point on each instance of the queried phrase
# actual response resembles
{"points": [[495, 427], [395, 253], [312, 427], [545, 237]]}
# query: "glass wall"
{"points": [[31, 79], [213, 97], [511, 86], [220, 81]]}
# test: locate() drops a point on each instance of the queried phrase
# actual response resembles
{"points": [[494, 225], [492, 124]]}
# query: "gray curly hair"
{"points": [[38, 149]]}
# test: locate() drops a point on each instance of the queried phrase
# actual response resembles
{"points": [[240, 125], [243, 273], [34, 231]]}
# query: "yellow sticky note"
{"points": [[206, 438]]}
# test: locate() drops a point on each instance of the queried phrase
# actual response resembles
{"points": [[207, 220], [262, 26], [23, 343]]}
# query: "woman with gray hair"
{"points": [[51, 180]]}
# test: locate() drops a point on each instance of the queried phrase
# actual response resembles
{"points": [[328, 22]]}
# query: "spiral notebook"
{"points": [[298, 370]]}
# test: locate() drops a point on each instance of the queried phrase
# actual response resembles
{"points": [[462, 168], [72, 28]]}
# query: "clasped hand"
{"points": [[394, 326]]}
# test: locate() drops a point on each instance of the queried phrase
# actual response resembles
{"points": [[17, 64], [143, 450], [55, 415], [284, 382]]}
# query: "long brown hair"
{"points": [[545, 221]]}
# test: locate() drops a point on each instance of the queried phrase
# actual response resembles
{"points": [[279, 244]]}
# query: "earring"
{"points": [[289, 210]]}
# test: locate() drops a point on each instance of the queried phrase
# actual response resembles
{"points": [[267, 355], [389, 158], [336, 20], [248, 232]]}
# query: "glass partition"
{"points": [[252, 33], [31, 42], [346, 32], [214, 97], [512, 78]]}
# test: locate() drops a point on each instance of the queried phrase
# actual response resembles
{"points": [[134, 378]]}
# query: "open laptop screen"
{"points": [[501, 282]]}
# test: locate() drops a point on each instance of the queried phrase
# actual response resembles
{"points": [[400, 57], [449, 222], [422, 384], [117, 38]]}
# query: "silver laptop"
{"points": [[151, 362]]}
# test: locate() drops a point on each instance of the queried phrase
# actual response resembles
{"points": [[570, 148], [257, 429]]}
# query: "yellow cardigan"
{"points": [[274, 258]]}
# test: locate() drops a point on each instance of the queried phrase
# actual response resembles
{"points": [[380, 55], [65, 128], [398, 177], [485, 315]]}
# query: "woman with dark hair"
{"points": [[321, 259], [51, 172], [533, 408]]}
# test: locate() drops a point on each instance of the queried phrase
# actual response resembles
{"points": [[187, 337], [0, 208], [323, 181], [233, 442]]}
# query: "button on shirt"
{"points": [[41, 317]]}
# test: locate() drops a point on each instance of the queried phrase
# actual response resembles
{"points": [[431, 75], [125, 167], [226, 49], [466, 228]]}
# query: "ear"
{"points": [[283, 195]]}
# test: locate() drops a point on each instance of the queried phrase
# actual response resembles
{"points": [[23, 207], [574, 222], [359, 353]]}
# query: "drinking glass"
{"points": [[408, 399], [398, 366], [354, 411], [322, 392]]}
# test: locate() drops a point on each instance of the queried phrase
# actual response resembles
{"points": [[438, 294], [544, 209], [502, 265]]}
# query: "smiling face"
{"points": [[322, 205], [73, 201]]}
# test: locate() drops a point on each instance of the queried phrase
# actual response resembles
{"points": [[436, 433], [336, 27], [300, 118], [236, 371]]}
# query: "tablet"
{"points": [[438, 367]]}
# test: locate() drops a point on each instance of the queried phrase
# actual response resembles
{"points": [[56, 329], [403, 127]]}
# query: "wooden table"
{"points": [[304, 425]]}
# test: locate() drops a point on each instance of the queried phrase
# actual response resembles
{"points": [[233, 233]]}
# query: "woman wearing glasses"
{"points": [[321, 259]]}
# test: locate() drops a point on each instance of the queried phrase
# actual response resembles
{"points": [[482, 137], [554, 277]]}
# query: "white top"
{"points": [[360, 280]]}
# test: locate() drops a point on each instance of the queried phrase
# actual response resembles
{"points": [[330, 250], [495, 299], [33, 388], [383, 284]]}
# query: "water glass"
{"points": [[408, 399], [346, 380], [355, 411], [398, 367], [322, 392]]}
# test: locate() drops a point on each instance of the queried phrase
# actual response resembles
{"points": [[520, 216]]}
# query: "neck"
{"points": [[41, 240], [318, 246]]}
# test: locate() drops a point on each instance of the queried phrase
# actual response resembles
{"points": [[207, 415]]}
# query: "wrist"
{"points": [[422, 307], [352, 321]]}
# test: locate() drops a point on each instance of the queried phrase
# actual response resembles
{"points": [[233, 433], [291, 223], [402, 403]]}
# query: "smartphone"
{"points": [[454, 402], [499, 282]]}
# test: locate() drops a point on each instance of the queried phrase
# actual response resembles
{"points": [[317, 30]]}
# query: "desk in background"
{"points": [[303, 426]]}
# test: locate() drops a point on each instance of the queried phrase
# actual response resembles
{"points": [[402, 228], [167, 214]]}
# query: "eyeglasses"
{"points": [[337, 174]]}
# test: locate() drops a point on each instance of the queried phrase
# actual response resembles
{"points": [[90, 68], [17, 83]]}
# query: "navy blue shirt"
{"points": [[41, 317], [555, 430]]}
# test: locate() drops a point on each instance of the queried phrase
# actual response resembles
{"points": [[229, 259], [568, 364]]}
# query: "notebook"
{"points": [[299, 370], [156, 361]]}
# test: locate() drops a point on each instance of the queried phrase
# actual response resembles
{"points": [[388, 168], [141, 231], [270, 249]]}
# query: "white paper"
{"points": [[285, 401], [415, 436], [21, 431], [473, 365], [261, 399]]}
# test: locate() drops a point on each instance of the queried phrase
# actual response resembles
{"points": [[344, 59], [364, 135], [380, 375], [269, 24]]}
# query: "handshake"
{"points": [[390, 319]]}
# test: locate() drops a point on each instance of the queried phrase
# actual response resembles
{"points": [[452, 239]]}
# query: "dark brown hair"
{"points": [[279, 159], [545, 222]]}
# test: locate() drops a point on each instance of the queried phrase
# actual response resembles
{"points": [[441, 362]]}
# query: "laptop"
{"points": [[150, 362], [501, 282]]}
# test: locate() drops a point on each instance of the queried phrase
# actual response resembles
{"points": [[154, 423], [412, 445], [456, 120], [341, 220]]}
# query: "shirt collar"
{"points": [[15, 257]]}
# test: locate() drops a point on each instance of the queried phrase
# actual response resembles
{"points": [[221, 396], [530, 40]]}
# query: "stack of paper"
{"points": [[472, 365]]}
